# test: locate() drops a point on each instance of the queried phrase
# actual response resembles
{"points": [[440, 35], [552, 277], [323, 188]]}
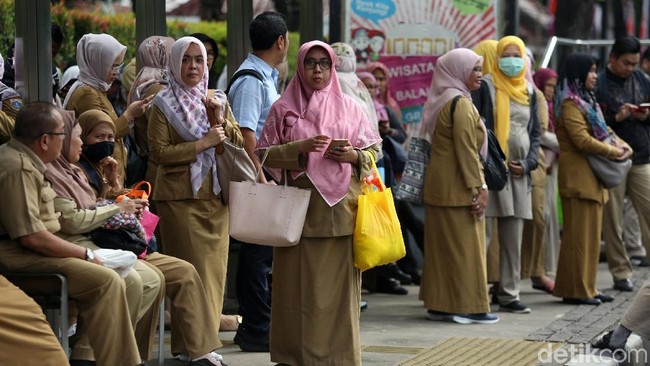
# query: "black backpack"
{"points": [[495, 170], [241, 73]]}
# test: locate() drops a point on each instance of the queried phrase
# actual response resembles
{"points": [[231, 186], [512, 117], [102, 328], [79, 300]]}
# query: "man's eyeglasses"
{"points": [[324, 63], [54, 133]]}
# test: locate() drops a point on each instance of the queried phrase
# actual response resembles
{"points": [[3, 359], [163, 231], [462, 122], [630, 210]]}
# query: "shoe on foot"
{"points": [[363, 305], [587, 301], [640, 261], [623, 285], [516, 307], [389, 285], [186, 358], [477, 318], [604, 297], [439, 315], [543, 284], [250, 342]]}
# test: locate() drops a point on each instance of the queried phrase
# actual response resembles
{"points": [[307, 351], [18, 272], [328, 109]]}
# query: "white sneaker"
{"points": [[186, 358]]}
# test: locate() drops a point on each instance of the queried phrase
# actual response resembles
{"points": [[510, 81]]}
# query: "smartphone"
{"points": [[335, 143], [644, 106]]}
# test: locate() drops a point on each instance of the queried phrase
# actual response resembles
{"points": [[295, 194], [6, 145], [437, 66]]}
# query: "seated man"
{"points": [[28, 244], [25, 335]]}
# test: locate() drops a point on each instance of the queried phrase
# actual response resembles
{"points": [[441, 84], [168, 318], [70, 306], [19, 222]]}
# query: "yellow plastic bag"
{"points": [[377, 235]]}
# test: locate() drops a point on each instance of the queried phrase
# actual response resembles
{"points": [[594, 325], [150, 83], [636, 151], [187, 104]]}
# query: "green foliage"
{"points": [[75, 23]]}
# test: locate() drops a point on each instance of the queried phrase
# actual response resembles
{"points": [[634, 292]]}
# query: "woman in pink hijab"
{"points": [[380, 71], [316, 288], [454, 281]]}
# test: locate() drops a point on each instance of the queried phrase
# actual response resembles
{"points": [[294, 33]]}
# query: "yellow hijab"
{"points": [[487, 49], [507, 89]]}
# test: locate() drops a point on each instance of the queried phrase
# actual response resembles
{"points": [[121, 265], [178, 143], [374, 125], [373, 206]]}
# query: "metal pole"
{"points": [[311, 20], [33, 54], [150, 20], [336, 20], [512, 17], [240, 15]]}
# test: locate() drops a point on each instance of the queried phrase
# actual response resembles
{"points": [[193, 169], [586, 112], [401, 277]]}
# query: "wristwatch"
{"points": [[90, 256]]}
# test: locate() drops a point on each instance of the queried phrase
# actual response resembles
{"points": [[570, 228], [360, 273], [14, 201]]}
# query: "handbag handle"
{"points": [[259, 171], [136, 188], [375, 178]]}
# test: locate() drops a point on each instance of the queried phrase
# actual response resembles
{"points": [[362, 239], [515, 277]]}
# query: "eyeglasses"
{"points": [[324, 63], [116, 68], [62, 134], [210, 55]]}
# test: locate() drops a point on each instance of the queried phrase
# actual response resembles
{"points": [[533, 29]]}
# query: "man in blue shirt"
{"points": [[251, 97]]}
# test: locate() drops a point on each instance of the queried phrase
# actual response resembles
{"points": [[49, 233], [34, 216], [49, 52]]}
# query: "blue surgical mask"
{"points": [[511, 66]]}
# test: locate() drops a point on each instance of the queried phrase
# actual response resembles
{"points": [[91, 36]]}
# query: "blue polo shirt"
{"points": [[250, 98]]}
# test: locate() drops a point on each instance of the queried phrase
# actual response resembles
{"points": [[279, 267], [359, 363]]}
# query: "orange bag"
{"points": [[137, 192]]}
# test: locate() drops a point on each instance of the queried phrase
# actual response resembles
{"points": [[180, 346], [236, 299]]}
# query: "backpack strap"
{"points": [[453, 107], [241, 73]]}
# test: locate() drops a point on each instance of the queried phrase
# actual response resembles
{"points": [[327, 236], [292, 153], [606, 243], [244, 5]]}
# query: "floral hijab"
{"points": [[577, 67], [184, 108], [302, 112], [154, 53]]}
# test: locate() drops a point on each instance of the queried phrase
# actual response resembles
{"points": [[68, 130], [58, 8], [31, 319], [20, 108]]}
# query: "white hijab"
{"points": [[96, 54]]}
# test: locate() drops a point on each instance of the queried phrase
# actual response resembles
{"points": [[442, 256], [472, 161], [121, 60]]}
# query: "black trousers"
{"points": [[252, 286]]}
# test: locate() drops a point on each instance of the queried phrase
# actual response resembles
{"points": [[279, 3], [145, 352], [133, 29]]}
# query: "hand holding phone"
{"points": [[336, 144]]}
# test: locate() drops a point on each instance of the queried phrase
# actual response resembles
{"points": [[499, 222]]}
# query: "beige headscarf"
{"points": [[154, 53], [95, 56]]}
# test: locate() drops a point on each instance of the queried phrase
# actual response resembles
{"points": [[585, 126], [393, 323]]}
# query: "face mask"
{"points": [[97, 152], [511, 66]]}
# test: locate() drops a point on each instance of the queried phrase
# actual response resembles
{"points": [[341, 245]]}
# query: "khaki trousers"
{"points": [[637, 186], [552, 238], [99, 293], [532, 246], [510, 233], [636, 317], [578, 264], [192, 315], [631, 230], [143, 287], [25, 336]]}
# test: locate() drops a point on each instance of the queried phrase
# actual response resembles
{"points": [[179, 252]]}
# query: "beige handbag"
{"points": [[234, 165], [267, 214]]}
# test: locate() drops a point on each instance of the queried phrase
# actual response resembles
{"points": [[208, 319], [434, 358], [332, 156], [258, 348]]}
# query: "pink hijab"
{"points": [[302, 112], [380, 110], [449, 80], [385, 98]]}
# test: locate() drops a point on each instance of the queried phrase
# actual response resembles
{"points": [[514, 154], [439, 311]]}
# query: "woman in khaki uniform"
{"points": [[184, 138], [11, 102], [100, 57], [581, 129], [454, 284], [316, 288]]}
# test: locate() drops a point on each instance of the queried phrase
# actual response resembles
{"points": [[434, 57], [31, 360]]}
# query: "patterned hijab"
{"points": [[96, 54], [185, 111], [302, 112], [6, 92], [346, 65], [577, 66], [507, 89], [154, 53], [68, 180]]}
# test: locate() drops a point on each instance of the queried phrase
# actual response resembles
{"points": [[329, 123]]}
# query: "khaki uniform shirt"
{"points": [[27, 198], [86, 98]]}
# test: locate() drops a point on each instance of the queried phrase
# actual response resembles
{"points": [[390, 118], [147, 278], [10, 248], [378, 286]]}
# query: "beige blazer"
{"points": [[575, 177], [174, 156], [455, 172]]}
